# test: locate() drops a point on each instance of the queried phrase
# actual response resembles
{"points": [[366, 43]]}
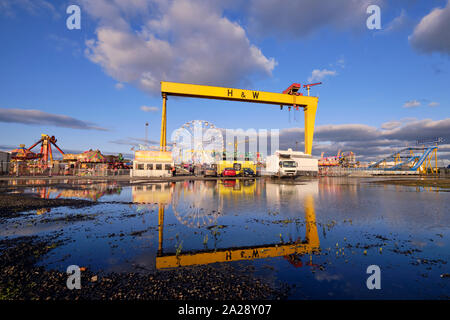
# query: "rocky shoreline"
{"points": [[12, 204], [21, 279]]}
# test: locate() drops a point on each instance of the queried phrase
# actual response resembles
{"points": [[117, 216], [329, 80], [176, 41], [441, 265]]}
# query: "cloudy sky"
{"points": [[97, 87]]}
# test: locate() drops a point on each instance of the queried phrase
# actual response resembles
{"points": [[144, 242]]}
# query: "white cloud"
{"points": [[180, 40], [411, 104], [391, 125], [149, 109], [433, 104], [399, 23], [300, 18], [37, 117], [33, 7], [119, 86], [432, 34], [341, 62], [318, 75], [369, 142]]}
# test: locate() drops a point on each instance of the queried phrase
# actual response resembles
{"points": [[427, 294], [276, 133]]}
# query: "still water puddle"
{"points": [[318, 236]]}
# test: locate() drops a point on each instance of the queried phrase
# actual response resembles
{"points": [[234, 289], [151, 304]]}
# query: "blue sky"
{"points": [[87, 86]]}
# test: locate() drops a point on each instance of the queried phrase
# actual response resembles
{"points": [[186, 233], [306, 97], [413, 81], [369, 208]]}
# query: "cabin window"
{"points": [[168, 167], [150, 166], [140, 166], [158, 166]]}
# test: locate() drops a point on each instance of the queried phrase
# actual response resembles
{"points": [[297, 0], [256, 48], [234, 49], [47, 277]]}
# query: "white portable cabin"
{"points": [[152, 164]]}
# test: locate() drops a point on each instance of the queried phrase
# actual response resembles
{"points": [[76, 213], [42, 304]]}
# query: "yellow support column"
{"points": [[435, 160], [310, 118], [160, 227], [312, 235], [163, 140]]}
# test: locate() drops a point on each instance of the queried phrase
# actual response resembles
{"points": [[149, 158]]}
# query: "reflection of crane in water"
{"points": [[195, 204], [289, 250]]}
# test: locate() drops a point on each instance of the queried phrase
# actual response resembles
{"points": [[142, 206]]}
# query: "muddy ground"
{"points": [[418, 182], [12, 204], [21, 279]]}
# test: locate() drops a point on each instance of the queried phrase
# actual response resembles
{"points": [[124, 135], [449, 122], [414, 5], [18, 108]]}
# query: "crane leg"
{"points": [[163, 124], [312, 236], [160, 227], [310, 118]]}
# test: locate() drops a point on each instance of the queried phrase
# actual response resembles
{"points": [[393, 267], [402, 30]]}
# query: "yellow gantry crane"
{"points": [[308, 103]]}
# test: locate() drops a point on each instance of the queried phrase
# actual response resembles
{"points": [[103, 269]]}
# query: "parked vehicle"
{"points": [[237, 165], [229, 172], [291, 164], [247, 172], [210, 172]]}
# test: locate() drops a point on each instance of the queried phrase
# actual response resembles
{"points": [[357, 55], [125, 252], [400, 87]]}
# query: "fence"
{"points": [[94, 170], [342, 172]]}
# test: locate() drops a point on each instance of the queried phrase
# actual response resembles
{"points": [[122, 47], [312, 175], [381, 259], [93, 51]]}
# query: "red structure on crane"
{"points": [[46, 148], [308, 86], [293, 90]]}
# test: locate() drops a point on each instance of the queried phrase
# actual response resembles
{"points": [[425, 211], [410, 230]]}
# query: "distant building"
{"points": [[5, 159]]}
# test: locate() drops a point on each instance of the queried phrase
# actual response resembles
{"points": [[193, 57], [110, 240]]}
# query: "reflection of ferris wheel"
{"points": [[196, 206], [197, 141]]}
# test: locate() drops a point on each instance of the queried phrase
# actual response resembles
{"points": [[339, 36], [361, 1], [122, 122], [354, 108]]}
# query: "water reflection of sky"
{"points": [[203, 219]]}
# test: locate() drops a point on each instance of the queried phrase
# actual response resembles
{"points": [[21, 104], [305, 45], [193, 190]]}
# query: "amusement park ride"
{"points": [[405, 159], [45, 155], [345, 159], [46, 148]]}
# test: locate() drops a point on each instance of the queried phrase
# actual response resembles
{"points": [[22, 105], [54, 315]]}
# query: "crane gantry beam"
{"points": [[308, 103]]}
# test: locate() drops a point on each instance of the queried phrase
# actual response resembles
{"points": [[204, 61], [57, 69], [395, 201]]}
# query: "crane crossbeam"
{"points": [[233, 94], [309, 104]]}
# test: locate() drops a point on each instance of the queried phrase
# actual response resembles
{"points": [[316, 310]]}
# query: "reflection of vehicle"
{"points": [[229, 172], [229, 183], [247, 172], [236, 188]]}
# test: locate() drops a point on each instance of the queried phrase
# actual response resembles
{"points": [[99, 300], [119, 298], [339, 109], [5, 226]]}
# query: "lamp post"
{"points": [[146, 133]]}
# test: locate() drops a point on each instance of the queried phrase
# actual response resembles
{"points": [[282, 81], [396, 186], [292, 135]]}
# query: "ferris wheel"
{"points": [[196, 205], [197, 141]]}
